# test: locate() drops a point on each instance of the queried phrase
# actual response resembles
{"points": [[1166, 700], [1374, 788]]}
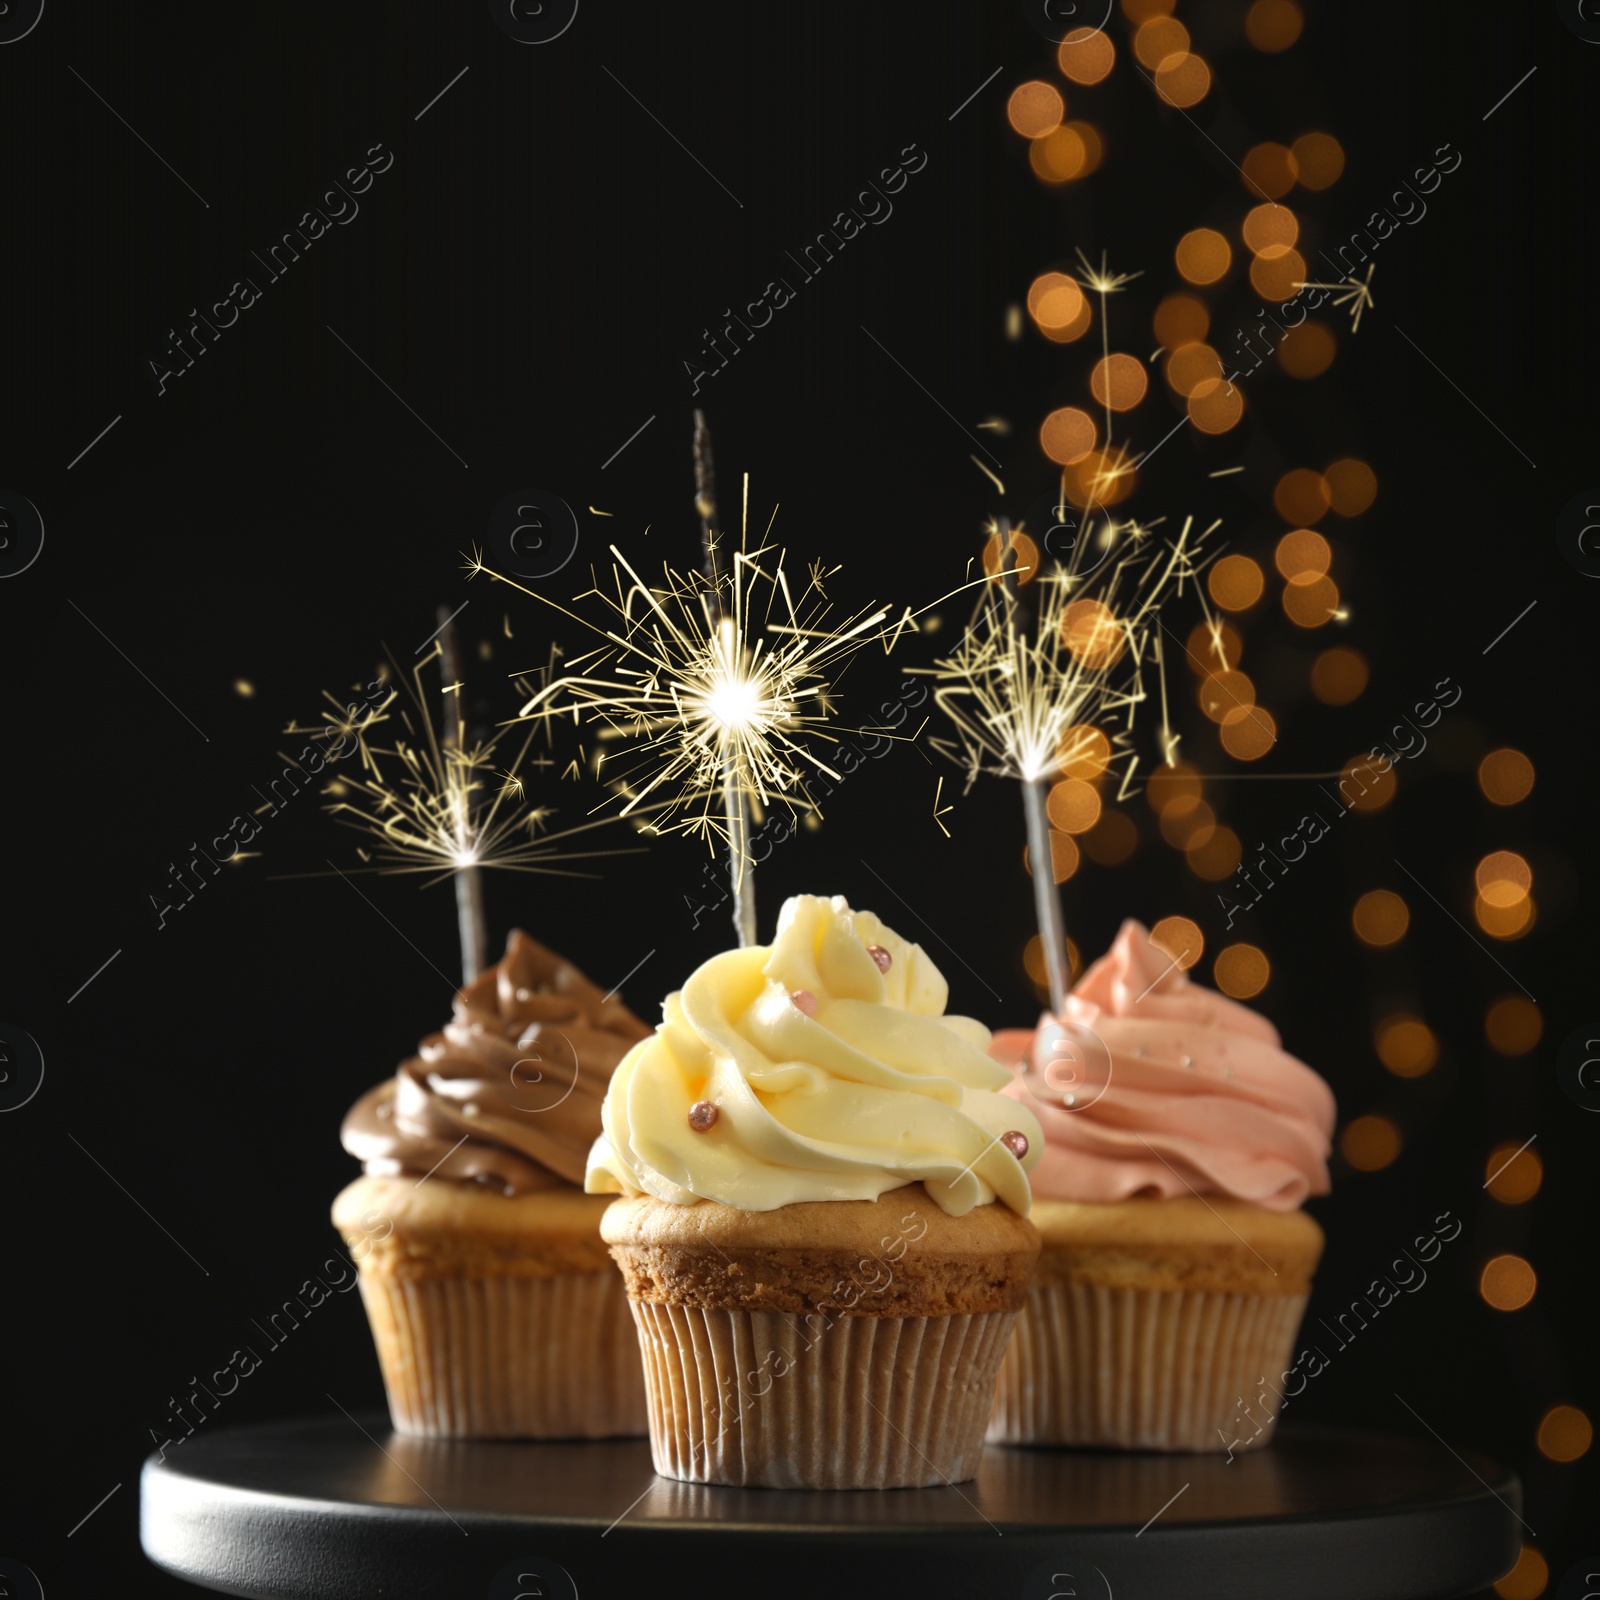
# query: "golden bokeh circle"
{"points": [[1307, 351], [1181, 939], [1235, 582], [1301, 496], [1181, 319], [1203, 255], [1183, 81], [1067, 435], [1220, 692], [1505, 776], [1158, 39], [1086, 55], [1272, 26], [1370, 1143], [1512, 1174], [1565, 1434], [1073, 805], [1112, 839], [1319, 159], [1215, 405], [1380, 918], [1119, 381], [1513, 1025], [1191, 365], [1035, 109], [1302, 553], [1217, 857], [1269, 227], [1406, 1045], [1241, 970], [1248, 733], [1339, 675], [1311, 602], [1508, 1282], [1269, 171], [1169, 784], [1083, 751], [1349, 487]]}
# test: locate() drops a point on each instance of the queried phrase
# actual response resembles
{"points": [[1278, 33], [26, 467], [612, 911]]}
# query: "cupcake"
{"points": [[824, 1228], [1180, 1141], [494, 1305]]}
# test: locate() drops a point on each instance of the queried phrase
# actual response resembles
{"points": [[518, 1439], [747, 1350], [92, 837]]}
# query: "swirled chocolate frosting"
{"points": [[509, 1093]]}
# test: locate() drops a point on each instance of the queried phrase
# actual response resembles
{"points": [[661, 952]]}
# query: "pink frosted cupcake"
{"points": [[1180, 1140]]}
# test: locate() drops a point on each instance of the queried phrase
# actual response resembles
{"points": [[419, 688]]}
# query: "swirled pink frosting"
{"points": [[1153, 1085]]}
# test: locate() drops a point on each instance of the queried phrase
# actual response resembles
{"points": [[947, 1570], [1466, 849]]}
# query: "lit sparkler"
{"points": [[1025, 700], [716, 690], [1353, 292], [437, 803]]}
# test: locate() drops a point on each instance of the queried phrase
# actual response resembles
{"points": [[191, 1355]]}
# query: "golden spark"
{"points": [[1013, 690], [434, 802], [1352, 291], [698, 678]]}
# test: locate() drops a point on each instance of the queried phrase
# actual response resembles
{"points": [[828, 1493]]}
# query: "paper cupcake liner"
{"points": [[1144, 1369], [738, 1397], [507, 1357]]}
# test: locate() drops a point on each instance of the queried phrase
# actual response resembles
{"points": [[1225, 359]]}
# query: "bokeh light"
{"points": [[1513, 1025], [1319, 159], [1055, 301], [1278, 276], [1083, 752], [1507, 1282], [1035, 109], [1158, 39], [1191, 365], [1086, 55], [1235, 582], [1112, 839], [1406, 1045], [1119, 381], [1505, 921], [1217, 857], [1365, 786], [1183, 80], [1063, 857], [1091, 635], [1181, 939], [1033, 962], [1311, 602], [1307, 351], [1503, 877], [1059, 157], [1512, 1175], [1380, 917], [1505, 776], [1241, 970], [1302, 553], [1273, 25], [1102, 478], [1203, 255], [1248, 733], [1301, 496], [1565, 1434], [1094, 148], [1269, 171], [1370, 1143], [1339, 675], [1181, 319], [1066, 436], [1167, 785], [1137, 11], [1528, 1579], [1270, 228], [1215, 405], [1027, 558], [1213, 649], [1187, 824], [1349, 486], [1220, 692], [1073, 805]]}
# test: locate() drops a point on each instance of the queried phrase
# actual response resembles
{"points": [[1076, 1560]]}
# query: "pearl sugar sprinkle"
{"points": [[804, 1001], [1015, 1141], [703, 1116], [880, 956]]}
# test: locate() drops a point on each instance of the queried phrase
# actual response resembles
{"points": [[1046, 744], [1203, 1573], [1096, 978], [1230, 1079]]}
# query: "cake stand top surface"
{"points": [[341, 1508]]}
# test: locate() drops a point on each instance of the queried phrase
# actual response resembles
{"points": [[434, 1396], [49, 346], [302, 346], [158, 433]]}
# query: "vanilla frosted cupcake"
{"points": [[824, 1232], [494, 1305], [1180, 1140]]}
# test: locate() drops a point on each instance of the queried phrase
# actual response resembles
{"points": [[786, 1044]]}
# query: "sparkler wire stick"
{"points": [[471, 920], [735, 802], [1041, 859]]}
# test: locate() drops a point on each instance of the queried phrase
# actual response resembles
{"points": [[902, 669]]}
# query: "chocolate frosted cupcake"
{"points": [[1180, 1140], [824, 1232], [494, 1305]]}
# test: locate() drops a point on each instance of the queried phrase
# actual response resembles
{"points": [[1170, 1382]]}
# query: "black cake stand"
{"points": [[343, 1509]]}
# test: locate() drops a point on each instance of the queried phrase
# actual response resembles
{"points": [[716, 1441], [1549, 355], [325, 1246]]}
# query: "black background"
{"points": [[530, 276]]}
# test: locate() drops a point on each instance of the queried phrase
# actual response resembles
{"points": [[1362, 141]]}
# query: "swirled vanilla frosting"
{"points": [[1151, 1084], [819, 1067], [508, 1094]]}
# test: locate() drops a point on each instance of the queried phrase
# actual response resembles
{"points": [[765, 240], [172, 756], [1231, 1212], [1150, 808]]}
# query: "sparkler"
{"points": [[1024, 701], [715, 689], [438, 804], [1353, 292]]}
